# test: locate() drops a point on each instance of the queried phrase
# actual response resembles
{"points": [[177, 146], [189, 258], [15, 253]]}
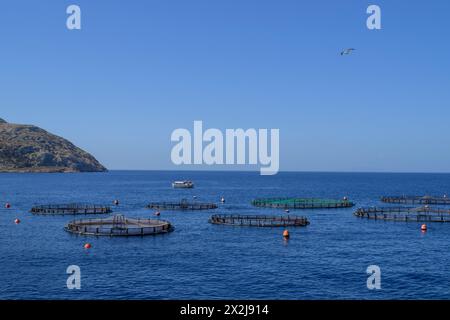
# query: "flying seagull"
{"points": [[347, 51]]}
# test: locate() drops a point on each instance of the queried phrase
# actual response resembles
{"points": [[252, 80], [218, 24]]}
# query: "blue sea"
{"points": [[325, 260]]}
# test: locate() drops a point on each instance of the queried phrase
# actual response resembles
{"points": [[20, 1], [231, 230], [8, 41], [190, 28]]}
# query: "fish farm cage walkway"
{"points": [[417, 200], [182, 205], [119, 225], [63, 209], [259, 220], [421, 214], [302, 203]]}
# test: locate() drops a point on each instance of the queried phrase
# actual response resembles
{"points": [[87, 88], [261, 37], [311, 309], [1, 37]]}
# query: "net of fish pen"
{"points": [[444, 200], [259, 220], [302, 203], [181, 205], [421, 214], [119, 225], [72, 208]]}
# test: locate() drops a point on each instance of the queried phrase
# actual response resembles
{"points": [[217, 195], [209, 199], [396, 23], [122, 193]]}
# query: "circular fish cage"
{"points": [[302, 203], [182, 205], [259, 220], [411, 214], [119, 225], [70, 209], [444, 200]]}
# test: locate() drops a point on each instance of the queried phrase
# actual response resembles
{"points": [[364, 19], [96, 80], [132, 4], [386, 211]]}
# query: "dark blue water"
{"points": [[326, 260]]}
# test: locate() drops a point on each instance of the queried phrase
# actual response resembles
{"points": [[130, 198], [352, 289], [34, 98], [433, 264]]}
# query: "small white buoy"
{"points": [[222, 200]]}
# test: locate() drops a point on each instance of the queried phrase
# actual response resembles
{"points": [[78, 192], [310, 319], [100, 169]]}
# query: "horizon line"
{"points": [[282, 171]]}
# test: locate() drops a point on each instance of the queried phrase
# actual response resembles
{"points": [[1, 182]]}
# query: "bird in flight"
{"points": [[347, 51]]}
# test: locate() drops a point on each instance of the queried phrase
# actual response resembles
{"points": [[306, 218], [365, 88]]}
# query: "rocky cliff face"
{"points": [[26, 148]]}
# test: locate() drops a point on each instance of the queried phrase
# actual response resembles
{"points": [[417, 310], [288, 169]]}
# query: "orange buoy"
{"points": [[424, 227], [8, 205], [286, 234], [17, 221], [87, 246]]}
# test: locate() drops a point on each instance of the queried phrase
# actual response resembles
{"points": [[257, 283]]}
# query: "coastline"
{"points": [[47, 170]]}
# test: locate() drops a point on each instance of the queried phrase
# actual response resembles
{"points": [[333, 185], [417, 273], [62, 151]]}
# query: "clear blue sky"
{"points": [[140, 69]]}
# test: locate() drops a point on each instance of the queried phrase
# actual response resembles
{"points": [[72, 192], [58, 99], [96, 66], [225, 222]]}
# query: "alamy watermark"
{"points": [[374, 20], [73, 21], [374, 279], [74, 279], [235, 147]]}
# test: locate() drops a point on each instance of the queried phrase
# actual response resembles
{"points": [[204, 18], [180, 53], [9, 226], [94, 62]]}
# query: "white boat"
{"points": [[183, 184]]}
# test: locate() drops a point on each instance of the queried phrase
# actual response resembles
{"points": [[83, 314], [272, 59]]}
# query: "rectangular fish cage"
{"points": [[411, 214], [302, 203], [444, 200], [259, 220], [182, 205], [70, 209]]}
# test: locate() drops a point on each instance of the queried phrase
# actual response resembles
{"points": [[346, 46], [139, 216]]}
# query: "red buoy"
{"points": [[8, 205], [87, 246], [17, 221]]}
